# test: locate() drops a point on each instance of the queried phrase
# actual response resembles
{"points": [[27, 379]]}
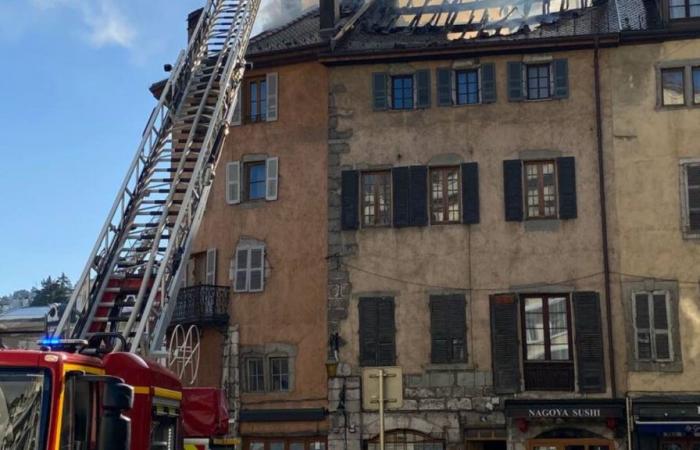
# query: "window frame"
{"points": [[545, 322], [249, 269], [260, 83], [445, 208], [392, 79], [688, 233], [550, 80], [540, 189], [376, 209], [455, 87], [693, 87], [248, 166], [247, 385], [686, 9], [271, 363], [652, 331], [663, 70]]}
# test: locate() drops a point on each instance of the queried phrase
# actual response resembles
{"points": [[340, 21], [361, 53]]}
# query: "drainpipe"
{"points": [[604, 216]]}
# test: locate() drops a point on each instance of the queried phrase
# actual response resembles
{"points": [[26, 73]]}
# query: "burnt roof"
{"points": [[301, 32]]}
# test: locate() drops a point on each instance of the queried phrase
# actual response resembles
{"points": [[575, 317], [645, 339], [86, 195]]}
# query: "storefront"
{"points": [[666, 423], [566, 424]]}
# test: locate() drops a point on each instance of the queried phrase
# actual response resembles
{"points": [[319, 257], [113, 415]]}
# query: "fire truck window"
{"points": [[163, 434], [24, 398], [77, 415]]}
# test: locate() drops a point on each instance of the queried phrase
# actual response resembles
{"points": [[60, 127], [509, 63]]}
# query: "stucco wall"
{"points": [[646, 145]]}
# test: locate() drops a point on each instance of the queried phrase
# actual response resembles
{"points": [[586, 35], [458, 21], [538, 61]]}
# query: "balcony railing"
{"points": [[203, 305]]}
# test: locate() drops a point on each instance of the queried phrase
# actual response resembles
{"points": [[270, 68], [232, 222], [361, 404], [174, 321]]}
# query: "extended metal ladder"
{"points": [[131, 280]]}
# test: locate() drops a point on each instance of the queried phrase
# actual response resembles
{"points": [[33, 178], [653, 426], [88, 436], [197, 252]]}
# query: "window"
{"points": [[249, 268], [279, 374], [78, 428], [402, 92], [696, 85], [682, 9], [407, 440], [673, 87], [281, 443], [691, 199], [651, 323], [445, 195], [255, 180], [467, 87], [377, 346], [376, 198], [254, 375], [448, 329], [541, 189], [538, 81], [256, 106]]}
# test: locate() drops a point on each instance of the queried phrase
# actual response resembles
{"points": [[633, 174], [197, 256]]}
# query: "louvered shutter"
{"points": [[272, 178], [236, 117], [240, 283], [439, 330], [561, 78], [458, 328], [385, 334], [662, 335], [211, 267], [233, 183], [444, 87], [470, 193], [423, 89], [272, 97], [488, 83], [419, 196], [566, 174], [369, 317], [380, 91], [589, 342], [350, 207], [515, 81], [642, 325], [401, 196], [256, 269], [513, 190], [505, 347]]}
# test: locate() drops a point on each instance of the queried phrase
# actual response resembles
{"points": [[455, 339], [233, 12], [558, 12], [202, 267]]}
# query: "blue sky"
{"points": [[74, 101]]}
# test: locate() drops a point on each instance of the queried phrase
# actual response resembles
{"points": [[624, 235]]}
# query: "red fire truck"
{"points": [[96, 383]]}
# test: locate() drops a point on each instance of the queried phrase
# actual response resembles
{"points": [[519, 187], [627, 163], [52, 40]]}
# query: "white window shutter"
{"points": [[240, 282], [236, 118], [233, 182], [272, 96], [257, 269], [211, 266], [272, 169]]}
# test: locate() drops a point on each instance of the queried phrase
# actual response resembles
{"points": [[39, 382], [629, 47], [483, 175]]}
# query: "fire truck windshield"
{"points": [[24, 398]]}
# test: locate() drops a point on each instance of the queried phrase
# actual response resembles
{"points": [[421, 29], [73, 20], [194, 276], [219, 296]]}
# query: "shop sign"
{"points": [[564, 412]]}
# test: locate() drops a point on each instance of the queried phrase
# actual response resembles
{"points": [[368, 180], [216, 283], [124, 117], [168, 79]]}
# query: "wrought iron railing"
{"points": [[203, 305]]}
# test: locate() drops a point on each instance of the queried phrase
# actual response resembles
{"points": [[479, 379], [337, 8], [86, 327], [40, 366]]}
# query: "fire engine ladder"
{"points": [[131, 280]]}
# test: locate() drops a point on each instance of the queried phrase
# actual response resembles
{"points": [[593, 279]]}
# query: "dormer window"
{"points": [[684, 9]]}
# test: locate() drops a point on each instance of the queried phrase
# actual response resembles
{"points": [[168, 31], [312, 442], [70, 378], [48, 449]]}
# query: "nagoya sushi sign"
{"points": [[564, 412], [588, 410]]}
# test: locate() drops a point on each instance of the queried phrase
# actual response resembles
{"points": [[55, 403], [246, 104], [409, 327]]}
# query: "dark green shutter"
{"points": [[423, 89], [505, 347], [401, 196], [350, 208], [458, 327], [566, 174], [589, 342], [369, 324], [386, 351], [515, 81], [470, 193], [513, 190], [444, 87], [561, 78], [380, 94], [488, 83], [448, 329], [419, 196]]}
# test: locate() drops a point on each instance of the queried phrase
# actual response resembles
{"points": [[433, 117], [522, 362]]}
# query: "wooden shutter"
{"points": [[439, 330], [515, 81], [662, 334], [241, 270], [505, 346], [272, 178], [236, 117], [256, 269], [369, 317], [380, 94], [422, 89], [560, 68], [566, 174], [387, 348], [350, 207], [272, 97], [418, 196], [488, 83], [470, 193], [642, 325], [211, 266], [233, 182], [589, 342], [513, 190], [401, 196], [444, 87]]}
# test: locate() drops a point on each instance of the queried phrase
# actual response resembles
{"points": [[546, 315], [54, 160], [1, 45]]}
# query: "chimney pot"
{"points": [[330, 13]]}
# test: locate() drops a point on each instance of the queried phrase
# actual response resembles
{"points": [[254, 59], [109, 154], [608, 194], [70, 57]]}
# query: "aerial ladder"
{"points": [[114, 325]]}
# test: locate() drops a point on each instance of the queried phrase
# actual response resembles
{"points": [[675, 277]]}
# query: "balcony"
{"points": [[202, 305]]}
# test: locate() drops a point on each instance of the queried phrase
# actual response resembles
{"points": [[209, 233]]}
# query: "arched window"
{"points": [[406, 440]]}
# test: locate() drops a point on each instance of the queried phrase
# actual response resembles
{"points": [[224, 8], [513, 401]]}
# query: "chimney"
{"points": [[192, 19], [330, 13]]}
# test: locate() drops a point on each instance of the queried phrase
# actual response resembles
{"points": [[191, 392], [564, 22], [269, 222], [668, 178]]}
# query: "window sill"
{"points": [[450, 367], [656, 366], [685, 106], [536, 225], [253, 204], [691, 236]]}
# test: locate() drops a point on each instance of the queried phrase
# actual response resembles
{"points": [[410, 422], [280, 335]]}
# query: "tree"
{"points": [[52, 291]]}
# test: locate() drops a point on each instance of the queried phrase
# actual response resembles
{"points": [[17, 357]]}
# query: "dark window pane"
{"points": [[402, 92], [643, 345], [677, 9], [663, 346], [660, 313], [696, 83], [256, 181], [445, 205], [538, 81], [376, 198], [641, 307], [541, 189], [672, 86], [467, 87], [279, 374], [255, 375]]}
